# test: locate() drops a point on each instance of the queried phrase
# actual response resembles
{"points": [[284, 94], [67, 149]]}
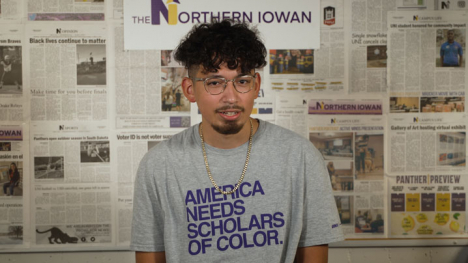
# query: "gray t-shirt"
{"points": [[284, 202]]}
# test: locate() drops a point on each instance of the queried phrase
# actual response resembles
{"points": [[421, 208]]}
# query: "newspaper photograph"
{"points": [[12, 97], [426, 54], [11, 10], [13, 180], [148, 92], [427, 143], [68, 73], [427, 205], [130, 149], [367, 51], [429, 102], [75, 10]]}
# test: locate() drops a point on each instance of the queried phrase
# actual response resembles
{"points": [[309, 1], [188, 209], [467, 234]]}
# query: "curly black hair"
{"points": [[227, 41]]}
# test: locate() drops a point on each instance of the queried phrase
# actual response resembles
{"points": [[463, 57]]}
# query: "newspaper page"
{"points": [[296, 71], [427, 205], [353, 148], [426, 62], [291, 113], [148, 92], [14, 178], [10, 10], [76, 10], [130, 147], [67, 73], [12, 97], [367, 51], [71, 189], [115, 8]]}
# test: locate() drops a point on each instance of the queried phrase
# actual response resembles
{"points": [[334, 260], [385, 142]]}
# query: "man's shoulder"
{"points": [[277, 132], [277, 135], [178, 142]]}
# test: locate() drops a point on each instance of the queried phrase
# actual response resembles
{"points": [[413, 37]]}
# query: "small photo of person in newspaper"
{"points": [[10, 70], [11, 178], [91, 65], [450, 43], [94, 151]]}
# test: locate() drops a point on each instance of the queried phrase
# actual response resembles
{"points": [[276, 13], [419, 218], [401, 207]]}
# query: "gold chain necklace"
{"points": [[245, 166]]}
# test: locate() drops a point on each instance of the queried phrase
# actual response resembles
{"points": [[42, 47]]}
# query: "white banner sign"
{"points": [[160, 24]]}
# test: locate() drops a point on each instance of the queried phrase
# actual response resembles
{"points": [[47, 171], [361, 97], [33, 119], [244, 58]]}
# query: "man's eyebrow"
{"points": [[214, 75]]}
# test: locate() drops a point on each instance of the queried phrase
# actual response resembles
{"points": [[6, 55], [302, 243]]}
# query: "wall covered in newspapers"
{"points": [[382, 97]]}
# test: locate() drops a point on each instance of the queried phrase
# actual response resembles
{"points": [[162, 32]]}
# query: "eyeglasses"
{"points": [[217, 85]]}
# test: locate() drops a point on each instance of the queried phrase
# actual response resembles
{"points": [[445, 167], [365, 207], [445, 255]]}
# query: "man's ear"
{"points": [[188, 89], [258, 82]]}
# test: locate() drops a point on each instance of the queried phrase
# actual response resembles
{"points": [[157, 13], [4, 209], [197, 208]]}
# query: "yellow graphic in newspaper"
{"points": [[413, 202], [443, 202]]}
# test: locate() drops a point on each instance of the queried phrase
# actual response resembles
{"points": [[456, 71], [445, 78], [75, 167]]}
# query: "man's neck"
{"points": [[228, 141]]}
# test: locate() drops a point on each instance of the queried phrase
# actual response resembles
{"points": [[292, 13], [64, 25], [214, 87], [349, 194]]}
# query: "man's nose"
{"points": [[230, 94]]}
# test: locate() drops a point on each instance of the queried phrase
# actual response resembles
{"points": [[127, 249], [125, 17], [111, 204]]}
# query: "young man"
{"points": [[451, 52], [232, 188]]}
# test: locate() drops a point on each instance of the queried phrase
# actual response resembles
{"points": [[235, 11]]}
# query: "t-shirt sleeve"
{"points": [[321, 223], [460, 50], [148, 215]]}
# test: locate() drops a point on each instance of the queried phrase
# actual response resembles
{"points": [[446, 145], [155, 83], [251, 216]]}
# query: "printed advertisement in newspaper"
{"points": [[72, 215], [427, 205], [68, 73]]}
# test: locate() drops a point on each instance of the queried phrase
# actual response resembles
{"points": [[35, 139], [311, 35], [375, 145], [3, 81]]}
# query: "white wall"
{"points": [[336, 255]]}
